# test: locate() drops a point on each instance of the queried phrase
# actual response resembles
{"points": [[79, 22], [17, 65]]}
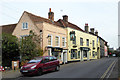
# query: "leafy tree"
{"points": [[29, 47], [10, 49]]}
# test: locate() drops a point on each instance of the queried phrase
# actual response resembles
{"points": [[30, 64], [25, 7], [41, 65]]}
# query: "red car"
{"points": [[1, 68], [38, 65]]}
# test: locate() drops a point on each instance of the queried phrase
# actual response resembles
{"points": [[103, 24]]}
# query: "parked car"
{"points": [[38, 65], [2, 68]]}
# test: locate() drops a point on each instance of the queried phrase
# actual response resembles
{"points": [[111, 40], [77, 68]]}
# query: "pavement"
{"points": [[87, 69], [11, 74]]}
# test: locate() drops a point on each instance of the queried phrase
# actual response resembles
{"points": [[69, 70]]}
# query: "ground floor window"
{"points": [[85, 53], [57, 55], [73, 53], [93, 53], [78, 54], [48, 52]]}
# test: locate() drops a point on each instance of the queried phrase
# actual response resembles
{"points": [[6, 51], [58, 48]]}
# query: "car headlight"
{"points": [[33, 66]]}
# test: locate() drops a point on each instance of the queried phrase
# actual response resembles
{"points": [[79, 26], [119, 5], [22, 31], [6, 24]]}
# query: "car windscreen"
{"points": [[34, 60]]}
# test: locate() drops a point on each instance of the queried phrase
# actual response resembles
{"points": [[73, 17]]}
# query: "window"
{"points": [[93, 54], [78, 54], [87, 41], [74, 41], [85, 53], [23, 36], [51, 58], [73, 53], [46, 59], [81, 41], [25, 25], [63, 42], [57, 41], [49, 40], [93, 43]]}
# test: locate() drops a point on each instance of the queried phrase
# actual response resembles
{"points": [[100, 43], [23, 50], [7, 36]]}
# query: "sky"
{"points": [[99, 14]]}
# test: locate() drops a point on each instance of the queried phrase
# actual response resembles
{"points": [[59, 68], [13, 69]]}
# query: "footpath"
{"points": [[11, 74]]}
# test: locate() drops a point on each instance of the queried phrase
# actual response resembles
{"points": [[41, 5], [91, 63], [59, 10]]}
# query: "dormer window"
{"points": [[24, 25]]}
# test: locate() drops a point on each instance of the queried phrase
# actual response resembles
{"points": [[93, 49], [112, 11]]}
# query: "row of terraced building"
{"points": [[62, 39]]}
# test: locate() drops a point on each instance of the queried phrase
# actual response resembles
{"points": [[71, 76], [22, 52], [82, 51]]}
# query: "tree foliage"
{"points": [[29, 47], [10, 49]]}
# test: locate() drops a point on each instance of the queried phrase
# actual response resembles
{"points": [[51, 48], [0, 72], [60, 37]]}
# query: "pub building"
{"points": [[59, 53]]}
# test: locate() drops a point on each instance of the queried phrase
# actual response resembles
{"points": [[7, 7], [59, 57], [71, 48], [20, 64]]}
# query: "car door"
{"points": [[46, 64], [52, 63]]}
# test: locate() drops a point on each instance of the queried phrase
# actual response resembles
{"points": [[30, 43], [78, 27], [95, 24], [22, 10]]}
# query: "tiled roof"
{"points": [[8, 28], [36, 18], [68, 24]]}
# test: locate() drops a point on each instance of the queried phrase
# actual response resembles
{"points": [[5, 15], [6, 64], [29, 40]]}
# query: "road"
{"points": [[87, 69]]}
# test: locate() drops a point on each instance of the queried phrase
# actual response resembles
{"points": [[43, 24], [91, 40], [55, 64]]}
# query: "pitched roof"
{"points": [[68, 24], [36, 18], [8, 28]]}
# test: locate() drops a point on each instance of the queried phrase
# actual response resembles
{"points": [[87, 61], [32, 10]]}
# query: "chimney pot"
{"points": [[65, 18], [92, 30], [49, 9], [51, 15], [96, 33], [86, 27]]}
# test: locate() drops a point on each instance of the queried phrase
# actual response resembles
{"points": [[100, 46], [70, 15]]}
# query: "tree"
{"points": [[29, 47], [10, 50]]}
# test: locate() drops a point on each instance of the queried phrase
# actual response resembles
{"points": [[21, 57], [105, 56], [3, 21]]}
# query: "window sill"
{"points": [[25, 29]]}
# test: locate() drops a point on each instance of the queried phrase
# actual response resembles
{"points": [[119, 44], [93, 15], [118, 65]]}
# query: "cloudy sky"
{"points": [[99, 14]]}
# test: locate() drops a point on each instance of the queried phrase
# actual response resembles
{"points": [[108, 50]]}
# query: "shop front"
{"points": [[59, 53], [85, 55]]}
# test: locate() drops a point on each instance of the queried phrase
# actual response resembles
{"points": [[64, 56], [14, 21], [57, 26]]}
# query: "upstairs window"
{"points": [[63, 42], [49, 40], [25, 25], [87, 41], [57, 41], [81, 41], [93, 43]]}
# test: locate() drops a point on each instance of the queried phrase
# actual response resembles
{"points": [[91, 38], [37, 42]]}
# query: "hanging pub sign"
{"points": [[57, 49], [72, 35]]}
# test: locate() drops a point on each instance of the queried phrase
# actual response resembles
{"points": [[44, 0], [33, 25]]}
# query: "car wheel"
{"points": [[57, 68], [39, 71]]}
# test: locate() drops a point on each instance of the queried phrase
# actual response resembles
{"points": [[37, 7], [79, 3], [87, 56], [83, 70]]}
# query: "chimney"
{"points": [[65, 18], [50, 15], [92, 30], [86, 27], [96, 33]]}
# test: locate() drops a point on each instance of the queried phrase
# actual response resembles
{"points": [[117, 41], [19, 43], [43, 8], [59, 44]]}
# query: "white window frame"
{"points": [[51, 40], [58, 41], [64, 42], [25, 26]]}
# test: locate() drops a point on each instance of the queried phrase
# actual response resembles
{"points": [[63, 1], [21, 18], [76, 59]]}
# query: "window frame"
{"points": [[25, 25], [58, 41], [51, 39], [64, 41], [87, 42], [81, 41]]}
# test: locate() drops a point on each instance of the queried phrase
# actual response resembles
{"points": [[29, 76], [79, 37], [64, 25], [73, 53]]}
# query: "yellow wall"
{"points": [[85, 36]]}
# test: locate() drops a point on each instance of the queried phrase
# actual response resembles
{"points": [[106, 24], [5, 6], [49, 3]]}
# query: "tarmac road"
{"points": [[100, 68]]}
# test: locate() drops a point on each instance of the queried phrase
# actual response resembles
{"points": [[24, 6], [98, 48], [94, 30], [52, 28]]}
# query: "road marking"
{"points": [[103, 76], [111, 70]]}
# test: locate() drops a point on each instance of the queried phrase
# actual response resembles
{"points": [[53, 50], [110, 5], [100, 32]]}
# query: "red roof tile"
{"points": [[8, 28], [68, 24], [36, 18]]}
